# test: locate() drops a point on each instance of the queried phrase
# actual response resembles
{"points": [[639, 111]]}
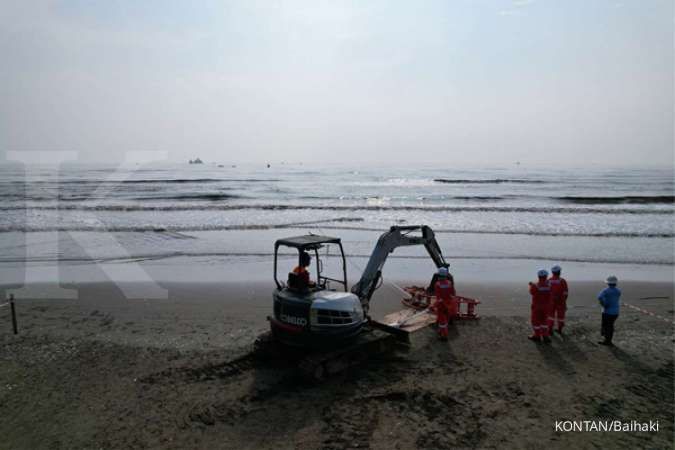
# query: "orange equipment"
{"points": [[420, 299]]}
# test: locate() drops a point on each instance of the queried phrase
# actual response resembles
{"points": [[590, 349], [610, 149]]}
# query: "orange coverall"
{"points": [[558, 302], [445, 305], [541, 306]]}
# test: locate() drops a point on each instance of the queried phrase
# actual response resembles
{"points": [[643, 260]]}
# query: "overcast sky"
{"points": [[466, 82]]}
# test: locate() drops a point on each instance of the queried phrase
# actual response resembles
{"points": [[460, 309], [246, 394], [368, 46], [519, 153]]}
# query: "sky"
{"points": [[457, 82]]}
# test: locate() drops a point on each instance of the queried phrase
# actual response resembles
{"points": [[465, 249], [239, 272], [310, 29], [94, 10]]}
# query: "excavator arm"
{"points": [[386, 244]]}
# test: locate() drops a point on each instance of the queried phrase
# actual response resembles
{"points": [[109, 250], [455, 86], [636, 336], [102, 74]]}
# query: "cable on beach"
{"points": [[644, 311]]}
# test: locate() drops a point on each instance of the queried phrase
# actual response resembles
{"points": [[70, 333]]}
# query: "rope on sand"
{"points": [[644, 311]]}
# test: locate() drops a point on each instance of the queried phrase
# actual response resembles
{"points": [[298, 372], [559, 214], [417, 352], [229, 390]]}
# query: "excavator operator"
{"points": [[301, 270]]}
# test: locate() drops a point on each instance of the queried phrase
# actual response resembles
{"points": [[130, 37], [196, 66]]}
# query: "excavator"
{"points": [[326, 316]]}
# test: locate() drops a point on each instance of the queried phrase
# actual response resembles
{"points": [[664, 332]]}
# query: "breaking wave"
{"points": [[375, 207], [184, 254], [420, 197], [211, 197], [629, 199], [488, 181], [90, 198], [314, 225], [146, 181]]}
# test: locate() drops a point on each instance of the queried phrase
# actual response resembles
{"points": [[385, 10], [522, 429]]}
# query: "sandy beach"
{"points": [[103, 371]]}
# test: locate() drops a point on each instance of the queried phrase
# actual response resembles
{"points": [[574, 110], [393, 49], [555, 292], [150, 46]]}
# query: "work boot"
{"points": [[607, 343], [547, 339]]}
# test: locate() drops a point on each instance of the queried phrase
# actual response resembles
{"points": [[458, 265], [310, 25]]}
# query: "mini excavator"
{"points": [[329, 320]]}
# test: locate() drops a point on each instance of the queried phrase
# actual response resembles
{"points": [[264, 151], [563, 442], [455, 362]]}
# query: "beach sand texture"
{"points": [[103, 371]]}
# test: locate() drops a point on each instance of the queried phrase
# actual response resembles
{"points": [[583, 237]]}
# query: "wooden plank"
{"points": [[409, 323]]}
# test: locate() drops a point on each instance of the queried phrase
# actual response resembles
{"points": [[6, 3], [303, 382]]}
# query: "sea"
{"points": [[175, 219]]}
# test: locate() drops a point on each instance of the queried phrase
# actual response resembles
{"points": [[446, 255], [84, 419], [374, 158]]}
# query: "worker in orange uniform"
{"points": [[445, 304], [541, 307], [301, 270], [558, 300]]}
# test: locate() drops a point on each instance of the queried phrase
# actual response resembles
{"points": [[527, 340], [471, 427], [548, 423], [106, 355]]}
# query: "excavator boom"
{"points": [[386, 244]]}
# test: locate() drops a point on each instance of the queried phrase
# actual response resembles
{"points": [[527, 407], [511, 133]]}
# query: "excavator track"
{"points": [[370, 343], [319, 364]]}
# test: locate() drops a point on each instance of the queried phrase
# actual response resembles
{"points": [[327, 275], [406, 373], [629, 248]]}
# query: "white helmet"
{"points": [[611, 280], [443, 272], [542, 273], [556, 269]]}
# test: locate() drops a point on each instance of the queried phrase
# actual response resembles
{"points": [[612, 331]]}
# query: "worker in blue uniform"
{"points": [[609, 298]]}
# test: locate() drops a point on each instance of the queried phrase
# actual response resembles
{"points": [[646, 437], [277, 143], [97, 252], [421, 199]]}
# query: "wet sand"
{"points": [[103, 371]]}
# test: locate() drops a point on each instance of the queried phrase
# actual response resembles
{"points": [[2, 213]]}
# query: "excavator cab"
{"points": [[310, 244]]}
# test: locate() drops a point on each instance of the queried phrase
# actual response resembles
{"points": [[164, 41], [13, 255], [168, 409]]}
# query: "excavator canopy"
{"points": [[312, 242], [307, 242]]}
